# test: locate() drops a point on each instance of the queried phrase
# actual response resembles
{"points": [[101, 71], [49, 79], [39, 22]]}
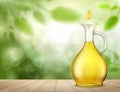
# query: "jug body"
{"points": [[89, 67]]}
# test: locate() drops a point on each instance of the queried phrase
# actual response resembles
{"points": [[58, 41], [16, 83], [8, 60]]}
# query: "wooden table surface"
{"points": [[55, 86]]}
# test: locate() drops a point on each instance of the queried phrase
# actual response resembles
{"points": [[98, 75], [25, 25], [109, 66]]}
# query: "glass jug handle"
{"points": [[104, 39]]}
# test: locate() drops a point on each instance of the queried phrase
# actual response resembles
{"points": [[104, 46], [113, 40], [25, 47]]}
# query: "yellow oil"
{"points": [[89, 14], [89, 67]]}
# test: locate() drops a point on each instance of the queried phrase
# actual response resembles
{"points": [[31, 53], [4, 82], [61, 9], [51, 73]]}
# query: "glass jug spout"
{"points": [[89, 29]]}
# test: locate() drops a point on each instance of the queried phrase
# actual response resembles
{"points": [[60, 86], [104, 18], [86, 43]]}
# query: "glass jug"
{"points": [[89, 67]]}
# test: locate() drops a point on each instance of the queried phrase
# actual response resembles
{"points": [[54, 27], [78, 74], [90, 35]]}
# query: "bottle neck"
{"points": [[89, 36], [89, 31]]}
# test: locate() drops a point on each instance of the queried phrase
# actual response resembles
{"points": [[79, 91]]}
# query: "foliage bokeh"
{"points": [[21, 44]]}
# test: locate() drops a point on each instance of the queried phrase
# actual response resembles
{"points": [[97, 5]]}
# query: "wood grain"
{"points": [[63, 86], [55, 86]]}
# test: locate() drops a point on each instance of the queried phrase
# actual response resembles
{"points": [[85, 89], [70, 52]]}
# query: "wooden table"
{"points": [[55, 86]]}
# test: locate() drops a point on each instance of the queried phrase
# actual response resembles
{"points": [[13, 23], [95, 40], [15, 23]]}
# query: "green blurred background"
{"points": [[40, 38]]}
